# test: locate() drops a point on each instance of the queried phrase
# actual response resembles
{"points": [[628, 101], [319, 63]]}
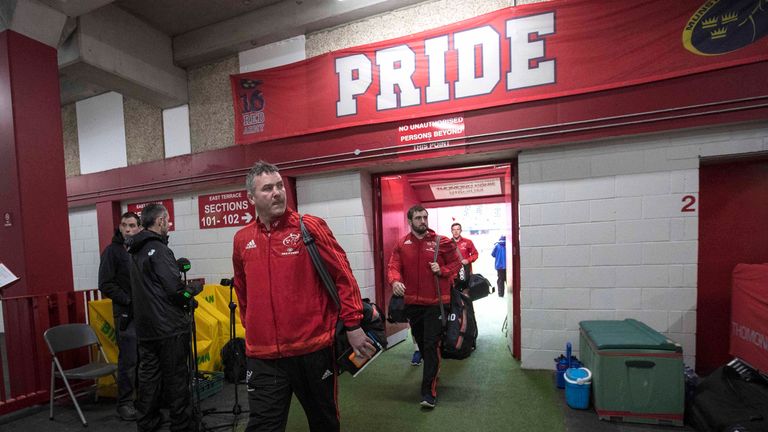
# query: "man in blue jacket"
{"points": [[500, 253]]}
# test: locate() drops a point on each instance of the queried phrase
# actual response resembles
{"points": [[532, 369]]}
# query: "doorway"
{"points": [[479, 197], [732, 230]]}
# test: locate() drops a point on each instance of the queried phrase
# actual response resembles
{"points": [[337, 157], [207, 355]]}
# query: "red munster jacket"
{"points": [[409, 264], [285, 308], [467, 249]]}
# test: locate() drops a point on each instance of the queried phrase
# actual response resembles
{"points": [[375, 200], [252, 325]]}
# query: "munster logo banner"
{"points": [[723, 26], [529, 52]]}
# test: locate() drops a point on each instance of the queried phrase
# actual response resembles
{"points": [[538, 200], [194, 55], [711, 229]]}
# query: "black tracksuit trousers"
{"points": [[427, 329], [164, 373], [312, 377], [126, 361]]}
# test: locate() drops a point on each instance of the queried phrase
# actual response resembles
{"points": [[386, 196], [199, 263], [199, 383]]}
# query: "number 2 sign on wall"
{"points": [[688, 203]]}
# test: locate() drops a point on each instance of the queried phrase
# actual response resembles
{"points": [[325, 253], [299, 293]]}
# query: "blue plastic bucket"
{"points": [[578, 383]]}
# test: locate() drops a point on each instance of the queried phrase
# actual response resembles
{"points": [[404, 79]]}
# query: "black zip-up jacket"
{"points": [[115, 275], [156, 284]]}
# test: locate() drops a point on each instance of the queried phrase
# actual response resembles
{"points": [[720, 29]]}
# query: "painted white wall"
{"points": [[176, 131], [101, 133], [344, 200], [83, 232], [602, 235], [273, 55]]}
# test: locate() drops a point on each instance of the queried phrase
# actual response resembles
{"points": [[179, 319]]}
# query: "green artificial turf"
{"points": [[485, 392]]}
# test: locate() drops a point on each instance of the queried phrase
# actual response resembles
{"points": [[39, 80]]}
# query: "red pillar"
{"points": [[107, 219], [35, 245]]}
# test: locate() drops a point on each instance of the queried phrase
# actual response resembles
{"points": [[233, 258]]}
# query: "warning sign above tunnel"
{"points": [[226, 209]]}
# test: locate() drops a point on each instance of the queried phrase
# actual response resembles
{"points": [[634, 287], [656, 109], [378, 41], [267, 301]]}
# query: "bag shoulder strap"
{"points": [[317, 261], [458, 250], [461, 257], [437, 282]]}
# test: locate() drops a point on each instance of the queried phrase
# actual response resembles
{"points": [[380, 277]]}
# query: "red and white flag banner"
{"points": [[529, 52]]}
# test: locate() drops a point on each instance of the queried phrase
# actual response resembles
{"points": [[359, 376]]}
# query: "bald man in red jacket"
{"points": [[289, 317]]}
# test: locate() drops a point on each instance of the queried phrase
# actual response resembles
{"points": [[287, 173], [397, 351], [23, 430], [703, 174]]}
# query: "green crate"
{"points": [[209, 383], [637, 373]]}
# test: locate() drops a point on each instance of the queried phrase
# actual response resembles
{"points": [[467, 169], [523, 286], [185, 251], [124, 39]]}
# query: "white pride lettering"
{"points": [[396, 66]]}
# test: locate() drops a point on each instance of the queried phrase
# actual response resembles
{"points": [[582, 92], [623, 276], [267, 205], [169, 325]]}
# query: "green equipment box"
{"points": [[637, 373]]}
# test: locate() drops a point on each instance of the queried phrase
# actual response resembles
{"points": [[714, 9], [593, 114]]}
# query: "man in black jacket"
{"points": [[162, 324], [115, 283]]}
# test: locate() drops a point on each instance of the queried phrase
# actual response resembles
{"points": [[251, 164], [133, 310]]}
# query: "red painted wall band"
{"points": [[531, 123]]}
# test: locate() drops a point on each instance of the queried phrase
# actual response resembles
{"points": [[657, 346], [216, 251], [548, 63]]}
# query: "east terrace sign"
{"points": [[479, 66]]}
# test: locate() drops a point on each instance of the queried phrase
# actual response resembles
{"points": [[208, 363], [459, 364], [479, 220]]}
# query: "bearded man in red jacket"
{"points": [[413, 272], [288, 315]]}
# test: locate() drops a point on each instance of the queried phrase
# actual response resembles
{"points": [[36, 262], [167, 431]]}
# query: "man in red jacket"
{"points": [[412, 272], [467, 253], [464, 245], [288, 315]]}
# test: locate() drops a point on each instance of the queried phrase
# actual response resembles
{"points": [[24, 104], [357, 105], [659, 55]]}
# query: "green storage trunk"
{"points": [[637, 373]]}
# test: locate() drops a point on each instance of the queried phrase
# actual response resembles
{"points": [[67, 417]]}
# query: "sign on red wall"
{"points": [[518, 54], [225, 209], [749, 308], [430, 131], [168, 203]]}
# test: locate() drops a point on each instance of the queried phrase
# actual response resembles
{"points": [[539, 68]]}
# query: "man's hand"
{"points": [[361, 345], [398, 289], [435, 267]]}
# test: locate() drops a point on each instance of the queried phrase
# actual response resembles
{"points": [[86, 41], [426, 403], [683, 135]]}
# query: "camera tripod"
{"points": [[236, 410]]}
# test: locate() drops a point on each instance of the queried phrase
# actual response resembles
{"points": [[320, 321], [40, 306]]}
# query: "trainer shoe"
{"points": [[127, 412], [428, 401], [416, 359]]}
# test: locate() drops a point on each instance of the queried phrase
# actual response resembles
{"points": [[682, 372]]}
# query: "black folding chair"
{"points": [[67, 337]]}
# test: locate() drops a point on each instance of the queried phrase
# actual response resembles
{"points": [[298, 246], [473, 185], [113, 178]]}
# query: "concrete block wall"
{"points": [[344, 200], [208, 250], [603, 234], [84, 237]]}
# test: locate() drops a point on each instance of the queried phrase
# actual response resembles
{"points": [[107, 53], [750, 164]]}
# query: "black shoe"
{"points": [[127, 412], [428, 401]]}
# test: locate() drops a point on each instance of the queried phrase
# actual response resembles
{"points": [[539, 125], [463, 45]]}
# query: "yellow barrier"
{"points": [[101, 321], [208, 341], [217, 297], [212, 327]]}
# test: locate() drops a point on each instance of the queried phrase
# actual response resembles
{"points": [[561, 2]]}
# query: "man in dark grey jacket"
{"points": [[115, 284], [162, 325]]}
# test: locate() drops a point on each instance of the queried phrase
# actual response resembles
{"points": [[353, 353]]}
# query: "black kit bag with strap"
{"points": [[396, 310], [459, 325], [462, 279], [479, 287], [460, 334], [233, 360], [373, 320]]}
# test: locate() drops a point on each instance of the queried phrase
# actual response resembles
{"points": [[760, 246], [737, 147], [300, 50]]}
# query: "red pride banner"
{"points": [[749, 309], [529, 52]]}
